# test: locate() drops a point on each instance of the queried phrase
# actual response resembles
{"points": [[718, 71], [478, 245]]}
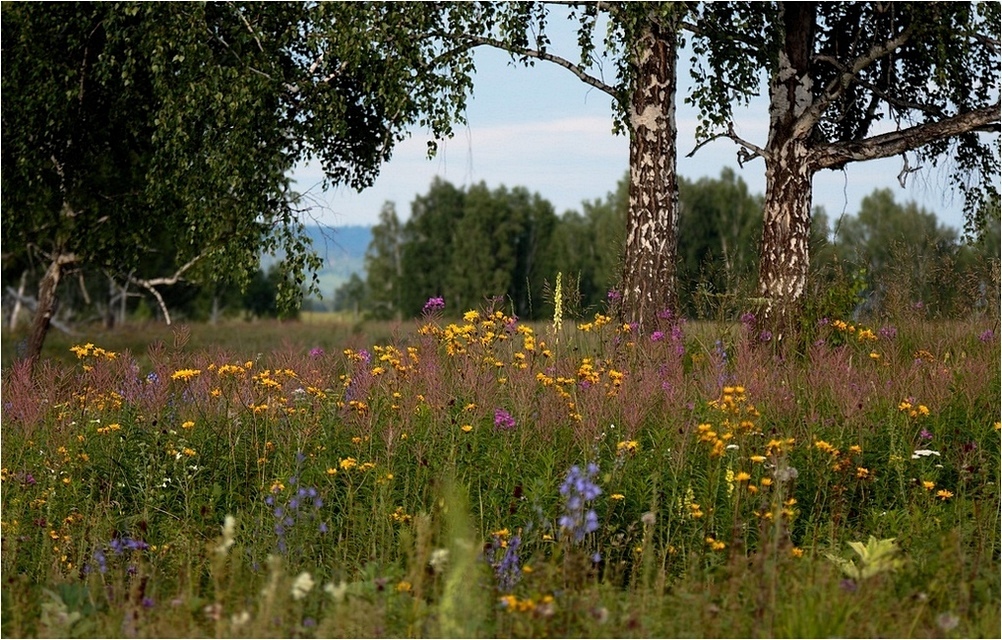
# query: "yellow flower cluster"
{"points": [[596, 324], [844, 462], [400, 516], [627, 447], [737, 418], [513, 604], [186, 374], [231, 370], [862, 333], [913, 411], [89, 350], [99, 401]]}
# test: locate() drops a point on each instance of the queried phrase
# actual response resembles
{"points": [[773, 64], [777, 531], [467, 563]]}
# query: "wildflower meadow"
{"points": [[470, 474]]}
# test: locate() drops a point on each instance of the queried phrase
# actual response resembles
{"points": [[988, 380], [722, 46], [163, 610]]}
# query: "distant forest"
{"points": [[505, 246], [475, 245]]}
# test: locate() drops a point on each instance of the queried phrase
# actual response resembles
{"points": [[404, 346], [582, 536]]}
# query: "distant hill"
{"points": [[343, 251]]}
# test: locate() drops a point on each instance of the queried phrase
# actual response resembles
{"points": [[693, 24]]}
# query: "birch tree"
{"points": [[851, 82], [642, 40]]}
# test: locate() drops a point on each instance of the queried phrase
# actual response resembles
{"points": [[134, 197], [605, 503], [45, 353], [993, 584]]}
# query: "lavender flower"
{"points": [[925, 434], [317, 352], [300, 509], [657, 336], [579, 489], [503, 420], [614, 296], [748, 320], [987, 335], [505, 561], [888, 333]]}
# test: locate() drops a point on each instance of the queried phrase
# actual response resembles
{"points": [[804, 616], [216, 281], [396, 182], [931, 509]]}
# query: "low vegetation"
{"points": [[486, 477]]}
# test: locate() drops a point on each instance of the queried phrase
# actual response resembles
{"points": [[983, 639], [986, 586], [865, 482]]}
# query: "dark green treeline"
{"points": [[470, 246]]}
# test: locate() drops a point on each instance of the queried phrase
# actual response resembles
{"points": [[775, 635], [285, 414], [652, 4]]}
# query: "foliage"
{"points": [[135, 130], [875, 557]]}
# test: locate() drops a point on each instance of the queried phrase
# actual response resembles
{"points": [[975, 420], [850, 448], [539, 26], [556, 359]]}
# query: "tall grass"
{"points": [[489, 478]]}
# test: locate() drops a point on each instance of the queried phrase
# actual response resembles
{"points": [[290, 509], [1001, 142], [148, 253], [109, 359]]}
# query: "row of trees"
{"points": [[139, 129], [475, 244]]}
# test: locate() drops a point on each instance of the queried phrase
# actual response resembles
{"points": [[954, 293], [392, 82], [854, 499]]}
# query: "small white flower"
{"points": [[302, 585], [240, 619], [924, 453], [732, 446], [337, 591], [229, 533], [649, 518], [439, 560]]}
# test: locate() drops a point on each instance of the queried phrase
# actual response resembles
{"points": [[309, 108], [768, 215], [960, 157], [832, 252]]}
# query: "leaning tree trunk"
{"points": [[784, 250], [46, 304], [649, 284]]}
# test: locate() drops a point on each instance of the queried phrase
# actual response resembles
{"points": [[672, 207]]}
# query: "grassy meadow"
{"points": [[479, 476]]}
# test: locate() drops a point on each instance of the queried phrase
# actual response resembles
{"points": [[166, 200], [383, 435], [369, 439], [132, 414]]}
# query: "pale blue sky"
{"points": [[543, 129]]}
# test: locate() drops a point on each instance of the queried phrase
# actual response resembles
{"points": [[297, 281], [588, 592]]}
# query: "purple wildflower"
{"points": [[925, 434], [657, 336], [317, 352], [505, 561], [614, 296], [888, 333], [503, 420], [579, 489], [748, 320], [987, 335], [433, 305], [765, 336]]}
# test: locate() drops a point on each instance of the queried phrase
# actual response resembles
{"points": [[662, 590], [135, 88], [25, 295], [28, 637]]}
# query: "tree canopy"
{"points": [[133, 130]]}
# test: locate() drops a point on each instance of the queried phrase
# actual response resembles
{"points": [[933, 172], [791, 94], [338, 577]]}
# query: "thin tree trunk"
{"points": [[649, 259], [784, 250], [46, 305]]}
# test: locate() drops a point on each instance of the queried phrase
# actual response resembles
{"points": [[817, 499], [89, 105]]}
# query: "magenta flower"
{"points": [[503, 420], [434, 304]]}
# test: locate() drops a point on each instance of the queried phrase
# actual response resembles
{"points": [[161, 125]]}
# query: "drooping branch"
{"points": [[544, 55], [156, 294], [151, 284], [897, 142]]}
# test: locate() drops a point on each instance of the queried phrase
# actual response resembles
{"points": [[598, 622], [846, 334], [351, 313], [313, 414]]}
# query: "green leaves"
{"points": [[875, 557]]}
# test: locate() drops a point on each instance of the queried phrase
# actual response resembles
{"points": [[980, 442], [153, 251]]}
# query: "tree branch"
{"points": [[838, 85], [882, 94], [150, 285], [32, 303], [156, 294], [747, 153], [544, 55], [897, 142]]}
